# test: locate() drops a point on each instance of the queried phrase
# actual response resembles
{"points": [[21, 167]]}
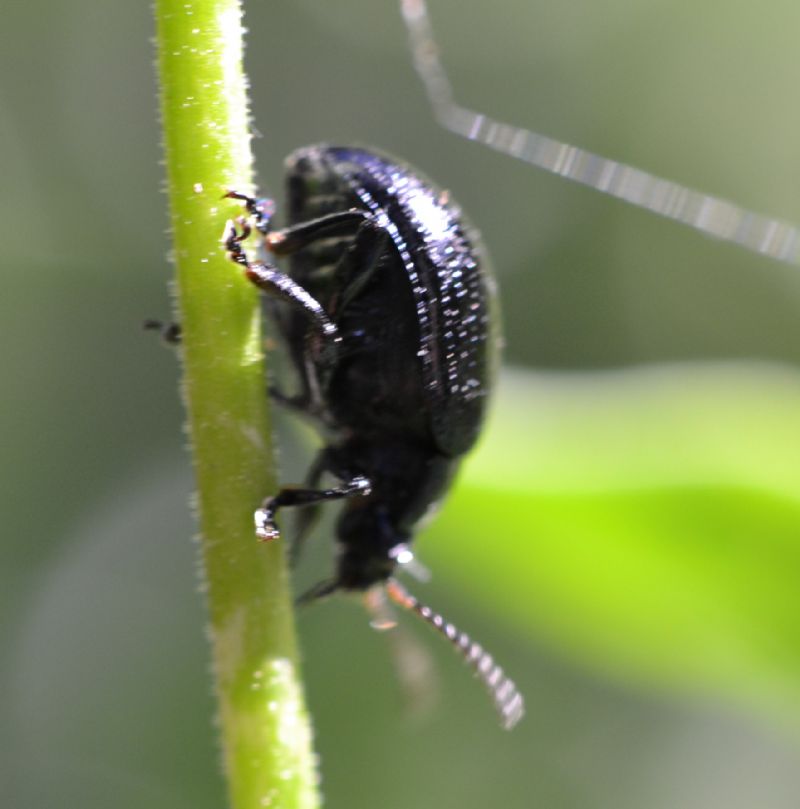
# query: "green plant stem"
{"points": [[265, 732]]}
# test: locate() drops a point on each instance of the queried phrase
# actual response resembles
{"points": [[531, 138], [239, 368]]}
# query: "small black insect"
{"points": [[391, 332]]}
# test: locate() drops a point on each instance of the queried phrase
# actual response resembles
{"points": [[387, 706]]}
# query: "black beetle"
{"points": [[391, 332]]}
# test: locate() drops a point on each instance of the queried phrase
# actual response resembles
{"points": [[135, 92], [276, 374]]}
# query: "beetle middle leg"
{"points": [[267, 530], [271, 280]]}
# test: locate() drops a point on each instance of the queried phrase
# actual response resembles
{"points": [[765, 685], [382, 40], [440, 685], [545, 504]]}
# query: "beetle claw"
{"points": [[266, 530], [232, 238], [262, 210]]}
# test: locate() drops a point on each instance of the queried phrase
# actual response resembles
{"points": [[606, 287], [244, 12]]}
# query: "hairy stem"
{"points": [[264, 728]]}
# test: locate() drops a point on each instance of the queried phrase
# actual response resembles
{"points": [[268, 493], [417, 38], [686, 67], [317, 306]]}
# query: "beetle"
{"points": [[391, 330]]}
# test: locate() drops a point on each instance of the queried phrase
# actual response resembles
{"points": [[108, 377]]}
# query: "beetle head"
{"points": [[370, 546]]}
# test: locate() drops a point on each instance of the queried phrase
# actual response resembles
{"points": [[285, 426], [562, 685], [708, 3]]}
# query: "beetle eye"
{"points": [[508, 701]]}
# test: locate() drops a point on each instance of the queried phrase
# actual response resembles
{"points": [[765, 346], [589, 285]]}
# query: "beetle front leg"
{"points": [[267, 530], [295, 237]]}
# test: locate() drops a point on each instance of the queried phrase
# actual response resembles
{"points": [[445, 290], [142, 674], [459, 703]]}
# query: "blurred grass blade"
{"points": [[645, 522], [264, 728], [711, 215]]}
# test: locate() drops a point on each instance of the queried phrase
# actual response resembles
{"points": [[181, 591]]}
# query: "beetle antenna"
{"points": [[506, 697]]}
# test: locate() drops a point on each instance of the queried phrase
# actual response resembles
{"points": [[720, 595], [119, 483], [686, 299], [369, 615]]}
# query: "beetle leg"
{"points": [[278, 284], [297, 404], [266, 529], [307, 517], [304, 405], [296, 237], [271, 280], [261, 210]]}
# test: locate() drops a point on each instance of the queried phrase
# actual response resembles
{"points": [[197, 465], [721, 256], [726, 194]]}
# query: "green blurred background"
{"points": [[626, 539]]}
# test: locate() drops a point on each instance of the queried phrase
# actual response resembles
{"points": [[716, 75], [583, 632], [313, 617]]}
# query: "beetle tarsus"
{"points": [[232, 239], [266, 529], [261, 210]]}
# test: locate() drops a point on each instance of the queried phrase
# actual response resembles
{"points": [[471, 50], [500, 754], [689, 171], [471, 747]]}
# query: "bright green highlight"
{"points": [[645, 522], [264, 728]]}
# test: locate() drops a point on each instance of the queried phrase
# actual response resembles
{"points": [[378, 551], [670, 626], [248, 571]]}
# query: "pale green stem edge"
{"points": [[264, 728]]}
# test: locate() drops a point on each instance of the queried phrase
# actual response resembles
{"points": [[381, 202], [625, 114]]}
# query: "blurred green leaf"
{"points": [[646, 522]]}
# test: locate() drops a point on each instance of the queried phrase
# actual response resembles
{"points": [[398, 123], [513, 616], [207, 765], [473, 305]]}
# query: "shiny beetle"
{"points": [[390, 329]]}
